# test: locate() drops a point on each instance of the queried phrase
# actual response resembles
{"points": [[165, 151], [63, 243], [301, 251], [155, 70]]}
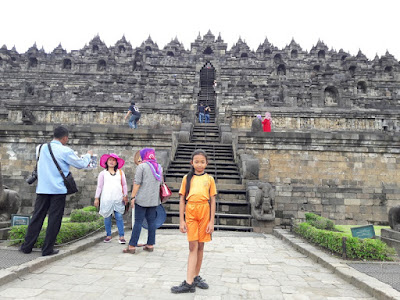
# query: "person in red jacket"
{"points": [[267, 122]]}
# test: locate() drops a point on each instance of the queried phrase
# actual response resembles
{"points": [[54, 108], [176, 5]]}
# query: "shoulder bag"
{"points": [[165, 192], [69, 180]]}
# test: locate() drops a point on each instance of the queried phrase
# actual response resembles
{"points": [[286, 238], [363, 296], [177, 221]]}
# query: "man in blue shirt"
{"points": [[134, 117], [51, 191]]}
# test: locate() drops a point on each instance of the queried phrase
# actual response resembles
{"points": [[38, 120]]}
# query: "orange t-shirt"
{"points": [[202, 187]]}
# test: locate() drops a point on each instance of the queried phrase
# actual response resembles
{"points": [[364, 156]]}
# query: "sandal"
{"points": [[148, 249], [131, 251]]}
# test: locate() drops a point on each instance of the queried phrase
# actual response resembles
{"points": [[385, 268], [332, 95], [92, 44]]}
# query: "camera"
{"points": [[31, 179]]}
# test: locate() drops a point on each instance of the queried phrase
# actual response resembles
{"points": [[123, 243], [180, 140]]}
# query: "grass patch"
{"points": [[347, 228]]}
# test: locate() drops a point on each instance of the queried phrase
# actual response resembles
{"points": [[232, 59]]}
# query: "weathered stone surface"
{"points": [[350, 178], [250, 167], [226, 138], [184, 137], [317, 89], [17, 154], [10, 201]]}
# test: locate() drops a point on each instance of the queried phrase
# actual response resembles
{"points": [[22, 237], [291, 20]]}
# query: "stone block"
{"points": [[226, 137], [187, 127], [352, 201], [250, 167], [184, 137], [224, 128]]}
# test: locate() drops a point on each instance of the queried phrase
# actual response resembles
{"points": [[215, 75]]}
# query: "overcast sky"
{"points": [[369, 25]]}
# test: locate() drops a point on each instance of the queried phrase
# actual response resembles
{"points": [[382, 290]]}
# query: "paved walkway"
{"points": [[236, 265]]}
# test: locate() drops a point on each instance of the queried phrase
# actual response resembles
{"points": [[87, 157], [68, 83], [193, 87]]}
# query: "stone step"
{"points": [[5, 224], [183, 172], [208, 170], [205, 140], [216, 227], [216, 158], [221, 187], [4, 233], [218, 215], [226, 147], [220, 219], [223, 180], [210, 152], [217, 174], [227, 207]]}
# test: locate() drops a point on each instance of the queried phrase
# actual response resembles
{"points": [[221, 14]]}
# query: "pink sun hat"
{"points": [[105, 157]]}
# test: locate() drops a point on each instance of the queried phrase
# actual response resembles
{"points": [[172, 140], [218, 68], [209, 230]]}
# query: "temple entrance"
{"points": [[207, 94]]}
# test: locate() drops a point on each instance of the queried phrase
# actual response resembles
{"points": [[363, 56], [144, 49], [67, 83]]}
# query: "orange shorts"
{"points": [[197, 218]]}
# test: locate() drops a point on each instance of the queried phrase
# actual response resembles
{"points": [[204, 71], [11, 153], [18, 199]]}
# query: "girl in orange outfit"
{"points": [[196, 218], [267, 122]]}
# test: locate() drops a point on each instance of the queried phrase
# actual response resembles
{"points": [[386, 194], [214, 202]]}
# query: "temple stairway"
{"points": [[232, 208]]}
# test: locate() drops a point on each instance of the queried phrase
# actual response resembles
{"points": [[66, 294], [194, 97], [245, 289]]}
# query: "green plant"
{"points": [[368, 249], [80, 215], [319, 222], [90, 208], [68, 232]]}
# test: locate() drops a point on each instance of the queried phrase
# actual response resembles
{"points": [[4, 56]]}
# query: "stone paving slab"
{"points": [[236, 265], [342, 268]]}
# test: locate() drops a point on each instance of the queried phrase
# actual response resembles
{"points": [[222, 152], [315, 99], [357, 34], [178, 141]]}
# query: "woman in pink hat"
{"points": [[111, 185]]}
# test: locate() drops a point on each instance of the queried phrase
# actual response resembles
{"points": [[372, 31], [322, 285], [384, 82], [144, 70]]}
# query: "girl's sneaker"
{"points": [[122, 241], [107, 240], [200, 283], [184, 287]]}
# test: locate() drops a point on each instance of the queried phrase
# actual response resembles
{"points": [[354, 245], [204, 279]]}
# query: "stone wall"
{"points": [[284, 119], [17, 154], [105, 115], [352, 178], [97, 76]]}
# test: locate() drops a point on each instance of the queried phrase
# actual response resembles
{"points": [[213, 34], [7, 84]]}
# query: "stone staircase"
{"points": [[207, 93], [232, 208]]}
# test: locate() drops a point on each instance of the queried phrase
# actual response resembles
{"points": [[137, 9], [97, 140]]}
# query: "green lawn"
{"points": [[347, 228]]}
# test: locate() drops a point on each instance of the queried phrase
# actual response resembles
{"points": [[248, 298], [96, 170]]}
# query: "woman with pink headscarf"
{"points": [[267, 122], [145, 199]]}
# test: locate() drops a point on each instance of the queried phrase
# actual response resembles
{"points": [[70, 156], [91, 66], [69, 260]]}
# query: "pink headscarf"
{"points": [[148, 156], [268, 116]]}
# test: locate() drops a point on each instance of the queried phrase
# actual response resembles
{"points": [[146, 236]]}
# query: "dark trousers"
{"points": [[150, 213], [54, 205]]}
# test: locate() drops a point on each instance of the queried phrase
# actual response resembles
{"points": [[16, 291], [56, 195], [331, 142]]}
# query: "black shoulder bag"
{"points": [[69, 180]]}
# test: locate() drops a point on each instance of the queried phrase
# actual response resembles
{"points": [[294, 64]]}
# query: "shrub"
{"points": [[81, 222], [319, 222], [90, 208], [368, 249], [80, 215], [68, 232]]}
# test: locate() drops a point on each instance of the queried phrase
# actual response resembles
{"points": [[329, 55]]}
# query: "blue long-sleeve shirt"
{"points": [[50, 180]]}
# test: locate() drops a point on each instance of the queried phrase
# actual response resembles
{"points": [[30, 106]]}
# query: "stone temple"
{"points": [[333, 150]]}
